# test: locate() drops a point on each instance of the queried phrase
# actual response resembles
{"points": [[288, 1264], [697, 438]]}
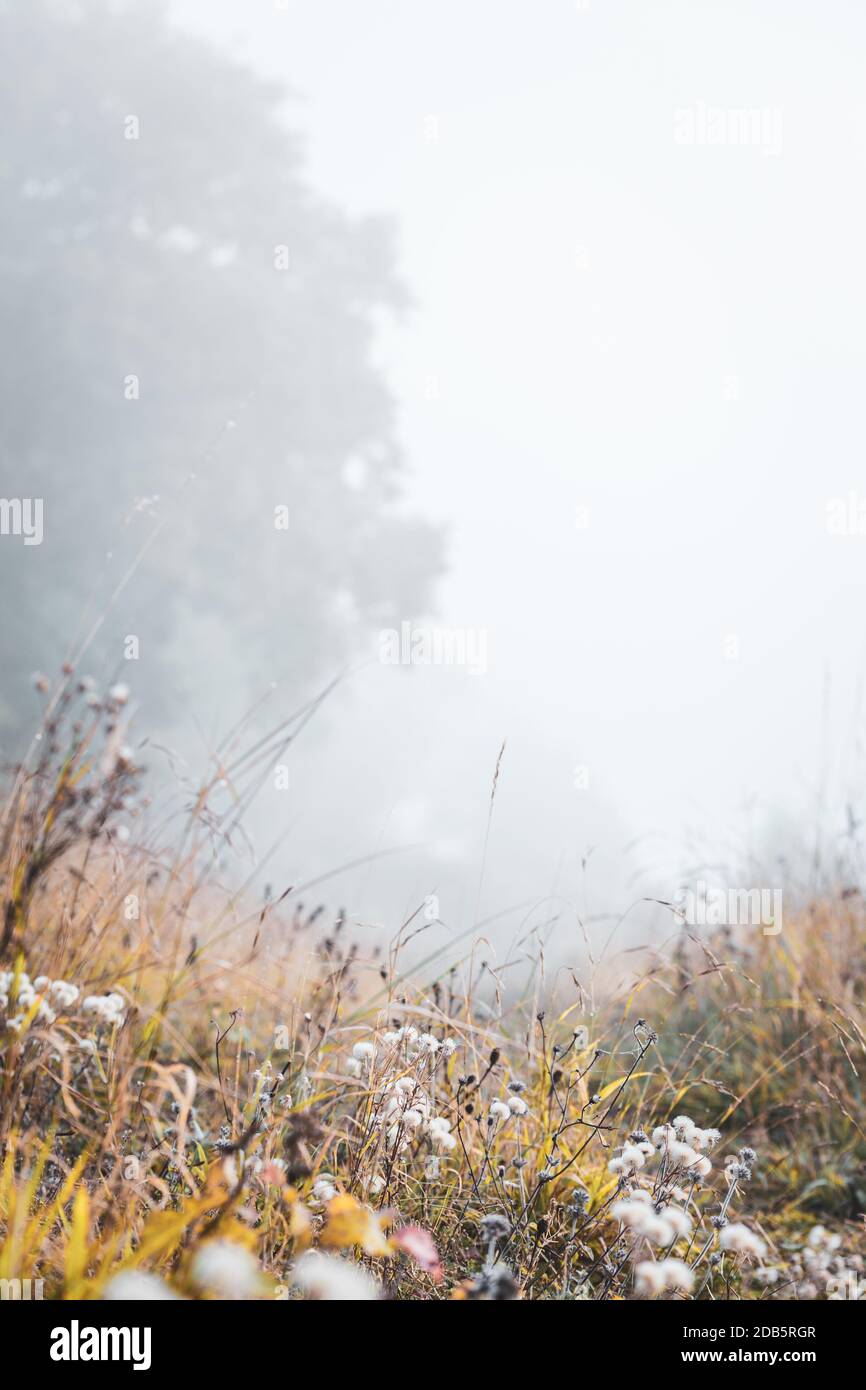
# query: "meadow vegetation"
{"points": [[204, 1095]]}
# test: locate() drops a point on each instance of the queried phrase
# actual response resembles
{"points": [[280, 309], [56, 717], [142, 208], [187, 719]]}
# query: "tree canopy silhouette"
{"points": [[188, 332]]}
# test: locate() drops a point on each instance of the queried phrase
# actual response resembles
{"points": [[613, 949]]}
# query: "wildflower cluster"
{"points": [[821, 1268], [659, 1210], [32, 1000], [43, 1000], [401, 1069]]}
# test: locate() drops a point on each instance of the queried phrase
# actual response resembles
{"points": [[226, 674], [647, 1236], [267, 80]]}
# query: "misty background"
{"points": [[448, 283]]}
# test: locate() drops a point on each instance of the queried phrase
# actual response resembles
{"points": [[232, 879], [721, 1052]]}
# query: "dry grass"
{"points": [[263, 1108]]}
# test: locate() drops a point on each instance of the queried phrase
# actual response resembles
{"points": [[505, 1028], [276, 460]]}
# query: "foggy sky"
{"points": [[630, 387]]}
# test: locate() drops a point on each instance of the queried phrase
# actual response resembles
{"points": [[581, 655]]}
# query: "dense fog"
{"points": [[495, 365]]}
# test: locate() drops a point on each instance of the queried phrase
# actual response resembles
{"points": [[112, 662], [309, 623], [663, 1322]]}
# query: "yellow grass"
{"points": [[218, 1105]]}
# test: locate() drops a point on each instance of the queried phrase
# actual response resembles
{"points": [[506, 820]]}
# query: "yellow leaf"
{"points": [[76, 1249], [150, 1028], [606, 1189], [614, 1085], [349, 1223], [45, 1217]]}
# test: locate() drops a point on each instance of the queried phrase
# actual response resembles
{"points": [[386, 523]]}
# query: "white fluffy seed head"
{"points": [[332, 1279], [228, 1270], [679, 1220], [135, 1286], [741, 1241], [656, 1276]]}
